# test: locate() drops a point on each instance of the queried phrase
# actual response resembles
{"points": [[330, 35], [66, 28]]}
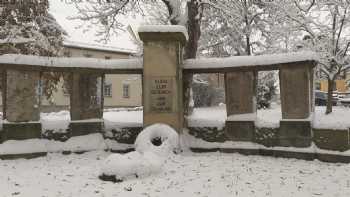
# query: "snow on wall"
{"points": [[71, 62], [164, 29], [245, 61]]}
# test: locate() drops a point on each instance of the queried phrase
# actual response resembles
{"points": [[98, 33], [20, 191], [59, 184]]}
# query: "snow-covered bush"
{"points": [[266, 89], [206, 94], [160, 139]]}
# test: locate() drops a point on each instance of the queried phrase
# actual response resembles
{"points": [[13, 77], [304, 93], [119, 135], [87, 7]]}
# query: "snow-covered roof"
{"points": [[164, 29], [97, 47], [134, 65], [260, 62]]}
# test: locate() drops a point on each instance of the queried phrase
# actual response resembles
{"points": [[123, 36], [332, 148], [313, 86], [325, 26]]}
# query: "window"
{"points": [[108, 90], [126, 89], [40, 88], [107, 57]]}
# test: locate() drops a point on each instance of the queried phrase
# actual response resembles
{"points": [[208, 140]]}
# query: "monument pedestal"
{"points": [[162, 75]]}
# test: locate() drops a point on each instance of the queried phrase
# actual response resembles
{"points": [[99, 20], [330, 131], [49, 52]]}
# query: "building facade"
{"points": [[119, 90], [341, 85]]}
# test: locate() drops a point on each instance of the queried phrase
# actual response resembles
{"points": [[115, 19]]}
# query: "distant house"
{"points": [[119, 90], [341, 84]]}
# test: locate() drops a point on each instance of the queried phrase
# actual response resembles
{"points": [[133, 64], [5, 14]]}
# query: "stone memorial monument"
{"points": [[162, 74]]}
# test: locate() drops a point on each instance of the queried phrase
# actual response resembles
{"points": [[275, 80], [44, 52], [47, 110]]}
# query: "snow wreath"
{"points": [[160, 139], [152, 147]]}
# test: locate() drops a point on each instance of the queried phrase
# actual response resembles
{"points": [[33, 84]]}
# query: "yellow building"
{"points": [[120, 90], [341, 85]]}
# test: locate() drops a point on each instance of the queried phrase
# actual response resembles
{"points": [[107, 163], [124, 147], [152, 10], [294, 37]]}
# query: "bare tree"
{"points": [[28, 28], [324, 25]]}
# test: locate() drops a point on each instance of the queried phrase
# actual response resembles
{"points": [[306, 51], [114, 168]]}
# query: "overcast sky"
{"points": [[61, 11]]}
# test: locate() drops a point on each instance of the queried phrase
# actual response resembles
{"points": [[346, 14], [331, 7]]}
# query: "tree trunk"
{"points": [[330, 96], [193, 28], [194, 32]]}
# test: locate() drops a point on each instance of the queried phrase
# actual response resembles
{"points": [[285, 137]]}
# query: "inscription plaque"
{"points": [[161, 94]]}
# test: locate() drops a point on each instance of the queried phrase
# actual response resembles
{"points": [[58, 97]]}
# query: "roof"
{"points": [[97, 47]]}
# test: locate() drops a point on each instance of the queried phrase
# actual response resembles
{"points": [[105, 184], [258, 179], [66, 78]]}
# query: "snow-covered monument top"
{"points": [[164, 29], [163, 67]]}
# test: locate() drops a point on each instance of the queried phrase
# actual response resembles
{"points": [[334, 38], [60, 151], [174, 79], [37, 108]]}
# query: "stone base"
{"points": [[21, 131], [78, 128], [23, 156], [294, 133], [240, 130], [337, 140]]}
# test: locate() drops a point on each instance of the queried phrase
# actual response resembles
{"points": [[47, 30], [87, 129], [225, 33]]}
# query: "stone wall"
{"points": [[327, 139]]}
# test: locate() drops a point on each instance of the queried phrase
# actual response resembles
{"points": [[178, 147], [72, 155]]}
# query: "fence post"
{"points": [[240, 91], [86, 103], [20, 94], [162, 76], [296, 85]]}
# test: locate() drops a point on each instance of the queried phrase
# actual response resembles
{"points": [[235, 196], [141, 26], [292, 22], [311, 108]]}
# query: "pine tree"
{"points": [[28, 28]]}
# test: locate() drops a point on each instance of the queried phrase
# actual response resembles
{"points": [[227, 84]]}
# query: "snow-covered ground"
{"points": [[216, 116], [186, 175]]}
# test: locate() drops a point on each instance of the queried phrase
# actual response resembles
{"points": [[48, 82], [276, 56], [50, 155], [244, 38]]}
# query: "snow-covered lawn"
{"points": [[216, 116], [185, 175], [207, 116]]}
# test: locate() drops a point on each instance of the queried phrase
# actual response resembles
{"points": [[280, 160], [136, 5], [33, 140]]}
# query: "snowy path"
{"points": [[189, 174]]}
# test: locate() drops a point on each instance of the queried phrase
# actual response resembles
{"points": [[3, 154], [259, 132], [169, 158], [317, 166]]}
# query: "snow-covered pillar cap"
{"points": [[163, 32]]}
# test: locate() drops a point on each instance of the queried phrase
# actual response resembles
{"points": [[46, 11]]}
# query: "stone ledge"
{"points": [[23, 156], [21, 131], [279, 154], [240, 130], [328, 139], [77, 128], [294, 133]]}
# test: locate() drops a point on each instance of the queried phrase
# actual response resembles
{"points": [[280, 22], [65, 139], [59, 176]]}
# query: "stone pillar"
{"points": [[21, 105], [240, 89], [162, 77], [86, 103], [296, 86]]}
